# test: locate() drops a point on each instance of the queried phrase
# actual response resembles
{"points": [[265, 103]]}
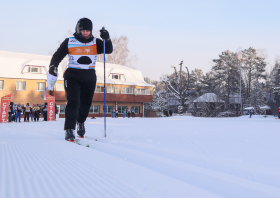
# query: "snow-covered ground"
{"points": [[143, 157]]}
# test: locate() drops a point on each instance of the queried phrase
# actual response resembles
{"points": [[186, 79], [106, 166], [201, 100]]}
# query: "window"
{"points": [[20, 86], [115, 90], [108, 109], [115, 76], [127, 90], [147, 92], [121, 109], [139, 91], [118, 77], [41, 86], [62, 109], [59, 87], [94, 109], [199, 104], [99, 89], [34, 69], [1, 84], [136, 109]]}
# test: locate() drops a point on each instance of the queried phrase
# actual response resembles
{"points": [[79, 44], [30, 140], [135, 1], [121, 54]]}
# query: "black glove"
{"points": [[104, 34], [53, 70]]}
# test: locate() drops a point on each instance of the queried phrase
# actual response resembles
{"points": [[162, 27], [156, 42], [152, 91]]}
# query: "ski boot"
{"points": [[81, 129], [69, 135]]}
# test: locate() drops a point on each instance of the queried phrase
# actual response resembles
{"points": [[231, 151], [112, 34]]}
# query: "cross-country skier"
{"points": [[80, 76], [278, 112], [251, 112]]}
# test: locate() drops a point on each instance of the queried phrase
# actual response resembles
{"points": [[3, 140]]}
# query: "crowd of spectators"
{"points": [[29, 113]]}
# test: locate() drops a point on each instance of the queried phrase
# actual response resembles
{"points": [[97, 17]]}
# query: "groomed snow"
{"points": [[143, 157]]}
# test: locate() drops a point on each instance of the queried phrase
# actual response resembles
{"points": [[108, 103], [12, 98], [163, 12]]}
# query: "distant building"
{"points": [[208, 105], [25, 76]]}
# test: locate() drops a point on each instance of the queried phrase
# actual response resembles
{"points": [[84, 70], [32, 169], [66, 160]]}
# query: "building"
{"points": [[25, 76], [208, 105]]}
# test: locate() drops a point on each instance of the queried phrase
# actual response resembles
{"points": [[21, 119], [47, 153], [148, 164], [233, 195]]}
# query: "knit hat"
{"points": [[84, 24]]}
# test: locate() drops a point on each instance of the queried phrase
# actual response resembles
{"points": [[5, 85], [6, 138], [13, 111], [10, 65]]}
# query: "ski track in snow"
{"points": [[183, 171], [40, 164], [37, 162]]}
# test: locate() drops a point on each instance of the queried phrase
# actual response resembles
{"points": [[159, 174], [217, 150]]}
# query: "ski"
{"points": [[73, 141], [82, 137]]}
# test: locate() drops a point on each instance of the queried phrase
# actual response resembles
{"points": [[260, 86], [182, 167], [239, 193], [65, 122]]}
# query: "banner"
{"points": [[5, 101], [51, 107]]}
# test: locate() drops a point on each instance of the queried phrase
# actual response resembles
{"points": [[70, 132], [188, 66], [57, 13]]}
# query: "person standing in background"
{"points": [[31, 113], [45, 111], [36, 112], [128, 113], [124, 112], [19, 110], [10, 111], [27, 112]]}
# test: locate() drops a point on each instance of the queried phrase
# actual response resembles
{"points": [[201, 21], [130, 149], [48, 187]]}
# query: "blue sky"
{"points": [[161, 33]]}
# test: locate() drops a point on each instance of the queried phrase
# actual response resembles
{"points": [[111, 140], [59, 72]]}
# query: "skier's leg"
{"points": [[87, 92], [72, 90]]}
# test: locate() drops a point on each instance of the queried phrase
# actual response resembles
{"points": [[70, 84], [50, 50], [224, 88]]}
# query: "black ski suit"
{"points": [[79, 84]]}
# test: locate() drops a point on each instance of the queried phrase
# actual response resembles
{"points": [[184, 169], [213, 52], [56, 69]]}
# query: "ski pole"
{"points": [[103, 28]]}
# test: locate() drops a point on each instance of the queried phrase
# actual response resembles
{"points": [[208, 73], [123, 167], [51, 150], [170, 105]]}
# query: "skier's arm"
{"points": [[108, 46], [60, 53]]}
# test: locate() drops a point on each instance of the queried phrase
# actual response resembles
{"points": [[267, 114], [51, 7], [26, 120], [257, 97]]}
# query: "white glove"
{"points": [[51, 80]]}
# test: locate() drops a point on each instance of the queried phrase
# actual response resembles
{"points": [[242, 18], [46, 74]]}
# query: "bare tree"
{"points": [[121, 54], [177, 84]]}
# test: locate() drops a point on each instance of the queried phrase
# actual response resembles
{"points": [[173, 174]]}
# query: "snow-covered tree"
{"points": [[159, 102], [257, 97], [253, 66], [272, 87], [121, 54], [227, 74], [177, 84]]}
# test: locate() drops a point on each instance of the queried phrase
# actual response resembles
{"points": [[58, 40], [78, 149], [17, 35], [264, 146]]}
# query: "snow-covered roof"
{"points": [[208, 97], [249, 108], [15, 65], [265, 107]]}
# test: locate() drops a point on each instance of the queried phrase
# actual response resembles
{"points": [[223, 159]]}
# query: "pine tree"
{"points": [[227, 74], [253, 67]]}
